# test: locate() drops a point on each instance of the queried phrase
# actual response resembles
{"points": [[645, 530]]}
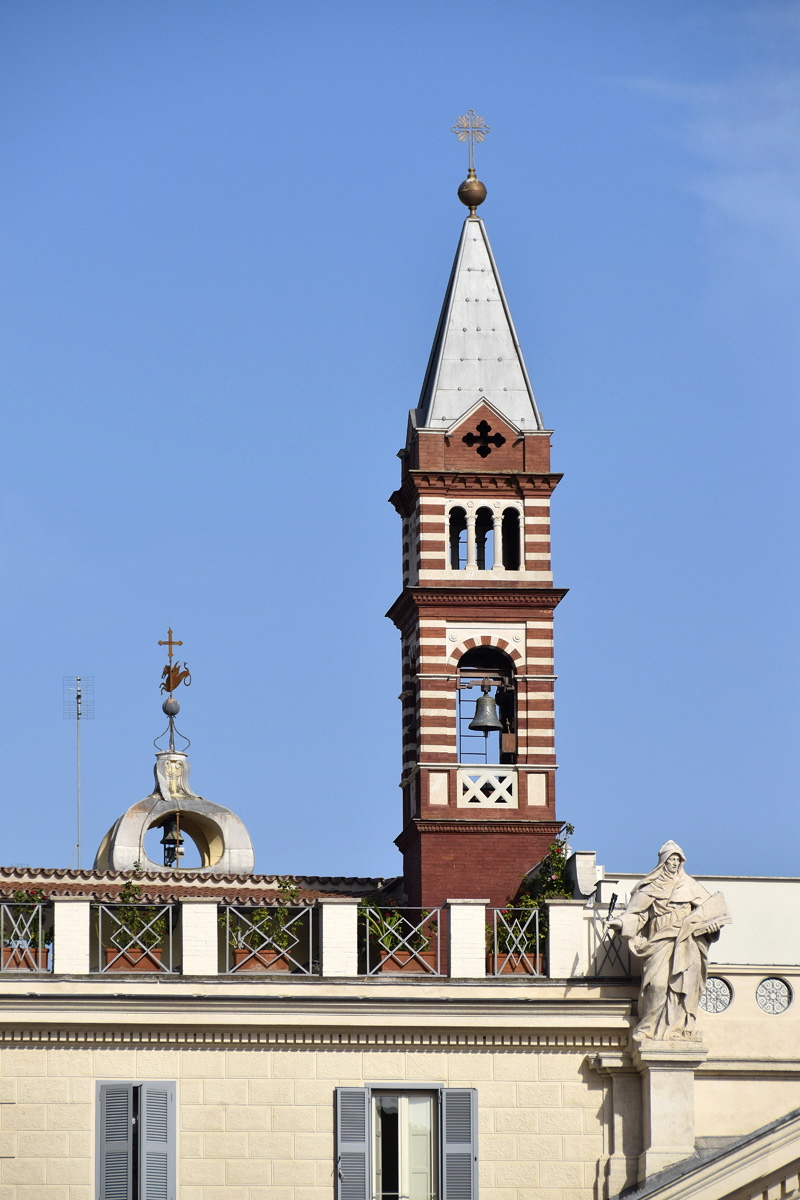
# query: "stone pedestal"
{"points": [[71, 936], [667, 1070], [618, 1168], [340, 936], [467, 942]]}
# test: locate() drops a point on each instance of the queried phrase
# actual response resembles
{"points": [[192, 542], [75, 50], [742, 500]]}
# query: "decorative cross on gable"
{"points": [[483, 440]]}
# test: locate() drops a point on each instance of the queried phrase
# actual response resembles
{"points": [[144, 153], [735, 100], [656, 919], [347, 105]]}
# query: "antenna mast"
{"points": [[78, 696]]}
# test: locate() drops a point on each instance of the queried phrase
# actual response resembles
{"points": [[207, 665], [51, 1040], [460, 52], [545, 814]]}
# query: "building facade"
{"points": [[221, 1035]]}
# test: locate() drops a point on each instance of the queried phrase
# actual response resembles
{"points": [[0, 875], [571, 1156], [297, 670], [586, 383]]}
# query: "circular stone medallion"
{"points": [[773, 996], [717, 995]]}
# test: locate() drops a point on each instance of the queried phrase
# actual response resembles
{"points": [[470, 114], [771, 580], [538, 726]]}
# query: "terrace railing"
{"points": [[516, 947], [270, 938], [608, 954], [395, 939], [26, 936], [135, 937]]}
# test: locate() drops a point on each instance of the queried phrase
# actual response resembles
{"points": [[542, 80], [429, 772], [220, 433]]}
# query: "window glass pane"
{"points": [[387, 1157], [405, 1146], [421, 1164]]}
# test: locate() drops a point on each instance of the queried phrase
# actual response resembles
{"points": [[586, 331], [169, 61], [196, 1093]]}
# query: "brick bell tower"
{"points": [[476, 611]]}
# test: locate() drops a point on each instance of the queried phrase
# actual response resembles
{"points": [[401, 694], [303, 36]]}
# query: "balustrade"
{"points": [[270, 938], [517, 947], [26, 936], [335, 937], [135, 937], [400, 939]]}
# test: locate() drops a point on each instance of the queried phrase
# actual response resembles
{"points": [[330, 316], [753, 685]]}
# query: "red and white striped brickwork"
{"points": [[455, 847]]}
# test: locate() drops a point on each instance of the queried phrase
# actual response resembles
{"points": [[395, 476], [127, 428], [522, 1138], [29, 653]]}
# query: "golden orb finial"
{"points": [[472, 192]]}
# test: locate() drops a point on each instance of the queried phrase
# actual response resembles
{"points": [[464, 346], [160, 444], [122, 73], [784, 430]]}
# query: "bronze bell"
{"points": [[486, 717], [172, 841]]}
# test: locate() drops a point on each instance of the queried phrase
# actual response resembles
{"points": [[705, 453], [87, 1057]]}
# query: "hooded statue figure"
{"points": [[670, 922]]}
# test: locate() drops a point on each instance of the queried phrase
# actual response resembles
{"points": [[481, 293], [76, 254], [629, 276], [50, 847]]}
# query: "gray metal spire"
{"points": [[476, 355]]}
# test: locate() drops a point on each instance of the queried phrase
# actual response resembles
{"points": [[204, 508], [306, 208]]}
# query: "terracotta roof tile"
{"points": [[176, 885]]}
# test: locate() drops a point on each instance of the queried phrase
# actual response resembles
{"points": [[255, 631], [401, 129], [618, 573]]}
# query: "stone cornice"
{"points": [[484, 597], [472, 825], [309, 1038], [448, 483], [586, 1021]]}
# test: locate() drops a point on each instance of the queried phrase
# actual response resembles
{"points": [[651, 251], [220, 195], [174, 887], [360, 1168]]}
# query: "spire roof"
{"points": [[476, 355]]}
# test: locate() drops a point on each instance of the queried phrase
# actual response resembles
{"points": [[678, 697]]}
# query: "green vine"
{"points": [[544, 883]]}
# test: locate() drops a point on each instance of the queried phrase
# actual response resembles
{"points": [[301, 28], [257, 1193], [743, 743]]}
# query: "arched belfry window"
{"points": [[511, 540], [484, 539], [485, 670], [458, 538]]}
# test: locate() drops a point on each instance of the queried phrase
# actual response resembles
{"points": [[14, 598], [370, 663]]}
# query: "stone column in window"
{"points": [[497, 521], [471, 558]]}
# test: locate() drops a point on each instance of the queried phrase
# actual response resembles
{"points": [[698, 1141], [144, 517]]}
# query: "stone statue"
{"points": [[670, 922]]}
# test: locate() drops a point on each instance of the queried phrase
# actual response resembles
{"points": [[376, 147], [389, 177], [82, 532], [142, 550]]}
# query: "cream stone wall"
{"points": [[257, 1124]]}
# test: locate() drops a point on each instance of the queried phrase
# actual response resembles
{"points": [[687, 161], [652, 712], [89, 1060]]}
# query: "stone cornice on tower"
{"points": [[448, 483], [472, 602]]}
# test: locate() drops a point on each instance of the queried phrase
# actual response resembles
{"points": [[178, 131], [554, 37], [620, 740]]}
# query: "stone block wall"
{"points": [[256, 1123]]}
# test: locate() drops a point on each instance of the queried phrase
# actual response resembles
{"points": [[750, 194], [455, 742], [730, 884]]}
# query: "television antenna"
{"points": [[78, 697]]}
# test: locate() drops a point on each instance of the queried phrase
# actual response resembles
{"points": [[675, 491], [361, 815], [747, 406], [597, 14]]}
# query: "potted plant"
{"points": [[395, 940], [518, 950], [26, 942], [135, 943], [261, 938]]}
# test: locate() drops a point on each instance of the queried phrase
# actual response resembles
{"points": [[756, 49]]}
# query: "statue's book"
{"points": [[713, 911]]}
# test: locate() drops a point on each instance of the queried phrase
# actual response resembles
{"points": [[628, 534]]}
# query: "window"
{"points": [[136, 1141], [484, 539], [458, 539], [511, 539], [418, 1144], [486, 665]]}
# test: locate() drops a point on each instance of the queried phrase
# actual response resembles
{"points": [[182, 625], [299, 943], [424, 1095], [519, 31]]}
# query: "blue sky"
{"points": [[226, 229]]}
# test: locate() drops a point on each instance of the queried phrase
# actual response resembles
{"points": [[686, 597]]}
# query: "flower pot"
{"points": [[514, 964], [405, 960], [133, 958], [25, 958], [267, 959]]}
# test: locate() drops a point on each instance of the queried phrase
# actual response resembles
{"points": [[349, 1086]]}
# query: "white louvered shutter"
{"points": [[352, 1144], [459, 1144], [115, 1141], [157, 1141]]}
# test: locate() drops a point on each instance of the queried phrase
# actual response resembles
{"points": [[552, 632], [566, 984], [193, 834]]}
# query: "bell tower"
{"points": [[476, 611]]}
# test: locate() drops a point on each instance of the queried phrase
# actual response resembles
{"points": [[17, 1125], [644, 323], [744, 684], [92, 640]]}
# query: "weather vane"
{"points": [[173, 675], [470, 128]]}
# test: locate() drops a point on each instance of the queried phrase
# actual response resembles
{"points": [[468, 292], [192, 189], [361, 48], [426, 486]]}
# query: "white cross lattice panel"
{"points": [[493, 788]]}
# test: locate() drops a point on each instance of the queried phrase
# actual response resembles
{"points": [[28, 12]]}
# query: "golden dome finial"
{"points": [[471, 128]]}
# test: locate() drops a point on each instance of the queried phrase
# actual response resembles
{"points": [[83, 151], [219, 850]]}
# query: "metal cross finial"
{"points": [[470, 128], [169, 643]]}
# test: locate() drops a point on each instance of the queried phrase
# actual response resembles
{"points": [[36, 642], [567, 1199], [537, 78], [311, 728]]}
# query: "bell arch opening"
{"points": [[487, 713], [484, 539], [512, 557], [457, 538], [200, 838]]}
